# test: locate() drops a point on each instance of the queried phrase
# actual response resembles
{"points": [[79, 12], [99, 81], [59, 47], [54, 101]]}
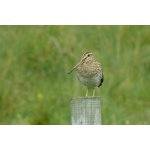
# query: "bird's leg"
{"points": [[93, 92], [87, 93]]}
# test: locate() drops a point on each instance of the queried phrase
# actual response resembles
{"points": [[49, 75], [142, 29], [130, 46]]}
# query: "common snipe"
{"points": [[89, 72]]}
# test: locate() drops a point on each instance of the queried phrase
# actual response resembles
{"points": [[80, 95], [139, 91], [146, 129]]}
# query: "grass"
{"points": [[34, 61]]}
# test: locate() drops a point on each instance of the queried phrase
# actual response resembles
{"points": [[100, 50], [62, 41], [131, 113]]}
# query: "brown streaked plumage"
{"points": [[89, 72]]}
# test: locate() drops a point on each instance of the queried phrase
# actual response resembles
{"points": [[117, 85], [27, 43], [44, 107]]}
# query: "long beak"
{"points": [[75, 66]]}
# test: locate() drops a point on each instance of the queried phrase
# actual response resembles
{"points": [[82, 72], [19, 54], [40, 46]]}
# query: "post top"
{"points": [[88, 97]]}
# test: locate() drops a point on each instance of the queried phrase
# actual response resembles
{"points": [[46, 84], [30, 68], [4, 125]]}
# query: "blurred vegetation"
{"points": [[36, 89]]}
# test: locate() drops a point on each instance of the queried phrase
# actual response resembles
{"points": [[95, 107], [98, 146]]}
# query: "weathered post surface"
{"points": [[86, 111]]}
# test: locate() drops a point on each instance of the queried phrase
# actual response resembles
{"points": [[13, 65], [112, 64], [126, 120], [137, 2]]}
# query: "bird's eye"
{"points": [[88, 54]]}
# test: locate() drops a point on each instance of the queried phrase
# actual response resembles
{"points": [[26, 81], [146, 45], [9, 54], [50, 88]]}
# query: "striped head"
{"points": [[86, 56]]}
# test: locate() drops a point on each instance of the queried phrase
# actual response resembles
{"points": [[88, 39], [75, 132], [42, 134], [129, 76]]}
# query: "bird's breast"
{"points": [[90, 82]]}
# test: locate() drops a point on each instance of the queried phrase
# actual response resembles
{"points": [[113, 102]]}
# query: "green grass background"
{"points": [[36, 89]]}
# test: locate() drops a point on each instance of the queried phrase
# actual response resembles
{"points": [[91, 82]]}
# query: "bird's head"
{"points": [[86, 55], [84, 58]]}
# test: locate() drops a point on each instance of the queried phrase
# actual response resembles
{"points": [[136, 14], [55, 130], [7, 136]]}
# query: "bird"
{"points": [[89, 72]]}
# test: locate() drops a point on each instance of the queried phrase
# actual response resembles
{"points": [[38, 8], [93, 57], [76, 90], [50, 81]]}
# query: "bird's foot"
{"points": [[94, 93], [86, 95]]}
